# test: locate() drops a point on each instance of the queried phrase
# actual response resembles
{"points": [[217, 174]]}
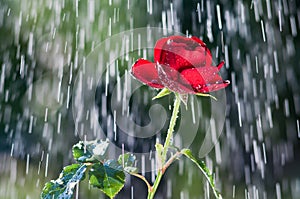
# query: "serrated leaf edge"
{"points": [[206, 172]]}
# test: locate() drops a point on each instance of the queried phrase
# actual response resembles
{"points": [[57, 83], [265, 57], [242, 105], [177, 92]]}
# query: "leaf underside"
{"points": [[127, 160], [90, 151], [63, 187]]}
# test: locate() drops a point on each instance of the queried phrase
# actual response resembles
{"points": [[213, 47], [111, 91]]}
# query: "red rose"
{"points": [[181, 64]]}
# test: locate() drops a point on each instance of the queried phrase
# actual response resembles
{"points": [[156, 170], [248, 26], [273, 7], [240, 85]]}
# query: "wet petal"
{"points": [[170, 79], [192, 77], [208, 58], [220, 65], [199, 41], [204, 79], [145, 71], [158, 48], [181, 53], [214, 87]]}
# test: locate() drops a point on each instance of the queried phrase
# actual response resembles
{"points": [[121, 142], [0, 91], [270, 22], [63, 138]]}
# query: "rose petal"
{"points": [[220, 65], [170, 78], [158, 48], [196, 39], [208, 61], [181, 53], [214, 87], [192, 77], [145, 71], [204, 79]]}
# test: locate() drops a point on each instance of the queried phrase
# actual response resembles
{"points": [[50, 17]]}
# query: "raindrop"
{"points": [[298, 128], [270, 119], [91, 10], [278, 191], [58, 123], [143, 165], [109, 27], [226, 57], [193, 110], [30, 44], [68, 97], [269, 9], [27, 163], [132, 195], [76, 8], [286, 108], [264, 153], [30, 124], [198, 12], [293, 26], [39, 168], [219, 17], [12, 149], [47, 165], [263, 30], [256, 12], [239, 113], [22, 66], [233, 191], [2, 78], [280, 20], [115, 125], [46, 115], [172, 14]]}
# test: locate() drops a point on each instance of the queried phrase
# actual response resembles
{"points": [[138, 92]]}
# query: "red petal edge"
{"points": [[220, 65], [205, 79], [196, 39], [215, 87], [145, 72]]}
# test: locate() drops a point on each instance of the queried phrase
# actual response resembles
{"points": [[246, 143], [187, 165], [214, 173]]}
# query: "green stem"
{"points": [[172, 124], [152, 191], [171, 127]]}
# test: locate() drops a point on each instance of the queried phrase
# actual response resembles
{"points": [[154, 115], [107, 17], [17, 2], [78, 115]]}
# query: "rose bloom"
{"points": [[181, 64]]}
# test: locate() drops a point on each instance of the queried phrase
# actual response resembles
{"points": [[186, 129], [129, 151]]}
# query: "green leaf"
{"points": [[162, 93], [207, 95], [63, 187], [108, 177], [201, 165], [127, 160], [90, 151]]}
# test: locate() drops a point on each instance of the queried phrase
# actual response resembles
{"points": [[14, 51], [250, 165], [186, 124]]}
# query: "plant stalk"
{"points": [[172, 124]]}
